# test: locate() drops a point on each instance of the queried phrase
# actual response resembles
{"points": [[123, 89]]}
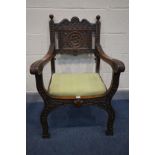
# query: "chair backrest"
{"points": [[75, 36]]}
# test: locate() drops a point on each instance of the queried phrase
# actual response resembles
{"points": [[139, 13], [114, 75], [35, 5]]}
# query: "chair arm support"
{"points": [[37, 67], [116, 65], [114, 85]]}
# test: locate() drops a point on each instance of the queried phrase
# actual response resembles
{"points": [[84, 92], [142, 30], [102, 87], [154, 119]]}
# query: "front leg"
{"points": [[111, 119], [44, 122]]}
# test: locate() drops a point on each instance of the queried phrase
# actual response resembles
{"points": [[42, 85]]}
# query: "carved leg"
{"points": [[44, 122], [111, 118]]}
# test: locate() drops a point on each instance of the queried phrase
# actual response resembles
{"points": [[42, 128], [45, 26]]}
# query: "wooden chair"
{"points": [[75, 37]]}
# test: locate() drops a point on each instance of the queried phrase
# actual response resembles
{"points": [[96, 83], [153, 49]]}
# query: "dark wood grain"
{"points": [[75, 37]]}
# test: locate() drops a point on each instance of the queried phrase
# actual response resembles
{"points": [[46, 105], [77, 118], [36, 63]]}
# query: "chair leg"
{"points": [[111, 118], [44, 122]]}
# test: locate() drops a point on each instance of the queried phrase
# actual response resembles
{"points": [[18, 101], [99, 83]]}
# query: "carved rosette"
{"points": [[74, 39]]}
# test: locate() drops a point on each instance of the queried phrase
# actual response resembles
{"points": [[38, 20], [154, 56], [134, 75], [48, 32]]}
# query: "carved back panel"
{"points": [[74, 36]]}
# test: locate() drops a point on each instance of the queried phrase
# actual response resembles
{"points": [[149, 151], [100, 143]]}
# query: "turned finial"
{"points": [[98, 17], [51, 16]]}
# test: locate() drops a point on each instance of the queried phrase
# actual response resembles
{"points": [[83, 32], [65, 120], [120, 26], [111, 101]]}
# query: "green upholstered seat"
{"points": [[76, 84]]}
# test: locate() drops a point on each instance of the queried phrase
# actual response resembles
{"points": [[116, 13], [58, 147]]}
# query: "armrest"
{"points": [[116, 65], [37, 67]]}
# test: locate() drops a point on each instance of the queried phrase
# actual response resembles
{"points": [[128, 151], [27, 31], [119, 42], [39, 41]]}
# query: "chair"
{"points": [[80, 89]]}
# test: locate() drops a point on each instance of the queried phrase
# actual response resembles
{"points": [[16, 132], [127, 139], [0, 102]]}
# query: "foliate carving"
{"points": [[75, 20], [75, 34], [75, 23]]}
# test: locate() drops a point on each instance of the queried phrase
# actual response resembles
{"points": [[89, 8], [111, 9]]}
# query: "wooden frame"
{"points": [[75, 37]]}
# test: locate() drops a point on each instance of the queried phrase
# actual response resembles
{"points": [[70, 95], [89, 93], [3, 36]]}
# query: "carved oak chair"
{"points": [[75, 37]]}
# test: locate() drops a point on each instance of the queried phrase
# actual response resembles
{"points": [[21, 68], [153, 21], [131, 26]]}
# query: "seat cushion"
{"points": [[76, 84]]}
